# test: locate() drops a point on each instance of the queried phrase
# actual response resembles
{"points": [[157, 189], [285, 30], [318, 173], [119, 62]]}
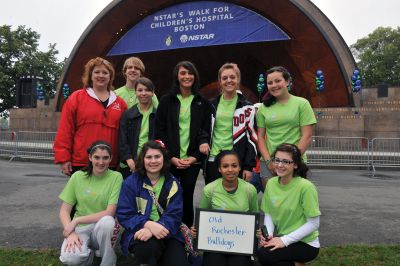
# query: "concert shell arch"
{"points": [[314, 44]]}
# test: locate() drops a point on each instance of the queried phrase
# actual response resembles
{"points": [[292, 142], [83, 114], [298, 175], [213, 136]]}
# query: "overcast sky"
{"points": [[63, 21]]}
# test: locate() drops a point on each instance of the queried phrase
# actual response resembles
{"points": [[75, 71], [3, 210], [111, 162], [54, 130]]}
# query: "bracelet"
{"points": [[267, 162]]}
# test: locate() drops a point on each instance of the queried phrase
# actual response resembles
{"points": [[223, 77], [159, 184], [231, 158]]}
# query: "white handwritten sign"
{"points": [[226, 231]]}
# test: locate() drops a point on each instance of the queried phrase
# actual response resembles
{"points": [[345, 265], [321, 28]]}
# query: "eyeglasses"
{"points": [[283, 161]]}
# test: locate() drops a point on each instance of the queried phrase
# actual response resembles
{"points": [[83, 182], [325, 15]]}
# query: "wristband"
{"points": [[267, 162]]}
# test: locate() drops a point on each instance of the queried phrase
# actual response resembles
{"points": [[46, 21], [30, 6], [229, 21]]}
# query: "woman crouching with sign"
{"points": [[291, 208], [228, 193], [150, 210]]}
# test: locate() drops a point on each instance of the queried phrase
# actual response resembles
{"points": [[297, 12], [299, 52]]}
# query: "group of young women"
{"points": [[157, 194]]}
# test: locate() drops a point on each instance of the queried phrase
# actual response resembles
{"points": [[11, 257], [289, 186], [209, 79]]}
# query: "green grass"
{"points": [[351, 255], [359, 255], [42, 257]]}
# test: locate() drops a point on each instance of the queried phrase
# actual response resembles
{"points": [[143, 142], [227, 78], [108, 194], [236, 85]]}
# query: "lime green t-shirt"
{"points": [[144, 128], [290, 205], [129, 96], [184, 124], [154, 216], [222, 133], [283, 121], [92, 194], [215, 197]]}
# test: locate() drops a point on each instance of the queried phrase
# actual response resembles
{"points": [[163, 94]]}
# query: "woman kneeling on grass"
{"points": [[291, 208], [152, 234], [94, 190], [230, 193]]}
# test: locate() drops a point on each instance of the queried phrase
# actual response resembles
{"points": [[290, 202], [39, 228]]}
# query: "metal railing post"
{"points": [[14, 141], [371, 166]]}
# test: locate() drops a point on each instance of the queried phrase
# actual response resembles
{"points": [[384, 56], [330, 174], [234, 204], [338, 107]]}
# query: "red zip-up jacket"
{"points": [[83, 121]]}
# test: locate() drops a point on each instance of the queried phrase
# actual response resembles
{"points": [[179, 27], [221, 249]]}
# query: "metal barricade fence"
{"points": [[385, 152], [8, 144], [27, 144], [37, 145], [323, 150], [338, 151]]}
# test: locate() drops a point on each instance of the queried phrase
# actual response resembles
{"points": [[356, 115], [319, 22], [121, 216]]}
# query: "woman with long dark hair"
{"points": [[183, 122], [291, 208], [152, 235], [94, 191], [282, 118]]}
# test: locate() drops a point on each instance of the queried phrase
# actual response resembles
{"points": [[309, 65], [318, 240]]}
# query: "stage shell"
{"points": [[313, 44]]}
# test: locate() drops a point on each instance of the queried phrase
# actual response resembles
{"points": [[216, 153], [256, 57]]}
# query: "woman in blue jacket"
{"points": [[153, 237]]}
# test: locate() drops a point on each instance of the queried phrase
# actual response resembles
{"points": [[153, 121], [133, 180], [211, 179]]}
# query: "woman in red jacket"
{"points": [[89, 114]]}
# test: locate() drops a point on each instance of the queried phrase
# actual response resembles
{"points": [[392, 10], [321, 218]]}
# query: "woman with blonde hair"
{"points": [[232, 124]]}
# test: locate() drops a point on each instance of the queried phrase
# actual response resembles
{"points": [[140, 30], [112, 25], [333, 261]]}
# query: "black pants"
{"points": [[211, 172], [220, 259], [163, 252], [76, 168], [299, 251], [187, 178], [125, 172]]}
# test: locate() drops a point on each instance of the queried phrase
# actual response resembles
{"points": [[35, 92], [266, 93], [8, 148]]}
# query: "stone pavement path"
{"points": [[355, 208]]}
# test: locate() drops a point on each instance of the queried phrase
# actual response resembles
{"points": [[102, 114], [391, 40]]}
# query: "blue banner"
{"points": [[195, 24]]}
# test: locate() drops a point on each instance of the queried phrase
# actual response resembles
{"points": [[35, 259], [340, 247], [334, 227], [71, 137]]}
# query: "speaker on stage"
{"points": [[27, 91]]}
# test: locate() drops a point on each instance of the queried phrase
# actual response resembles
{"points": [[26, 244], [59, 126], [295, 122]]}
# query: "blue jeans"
{"points": [[256, 182]]}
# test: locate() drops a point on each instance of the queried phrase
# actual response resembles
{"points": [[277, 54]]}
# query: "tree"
{"points": [[19, 56], [378, 56]]}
